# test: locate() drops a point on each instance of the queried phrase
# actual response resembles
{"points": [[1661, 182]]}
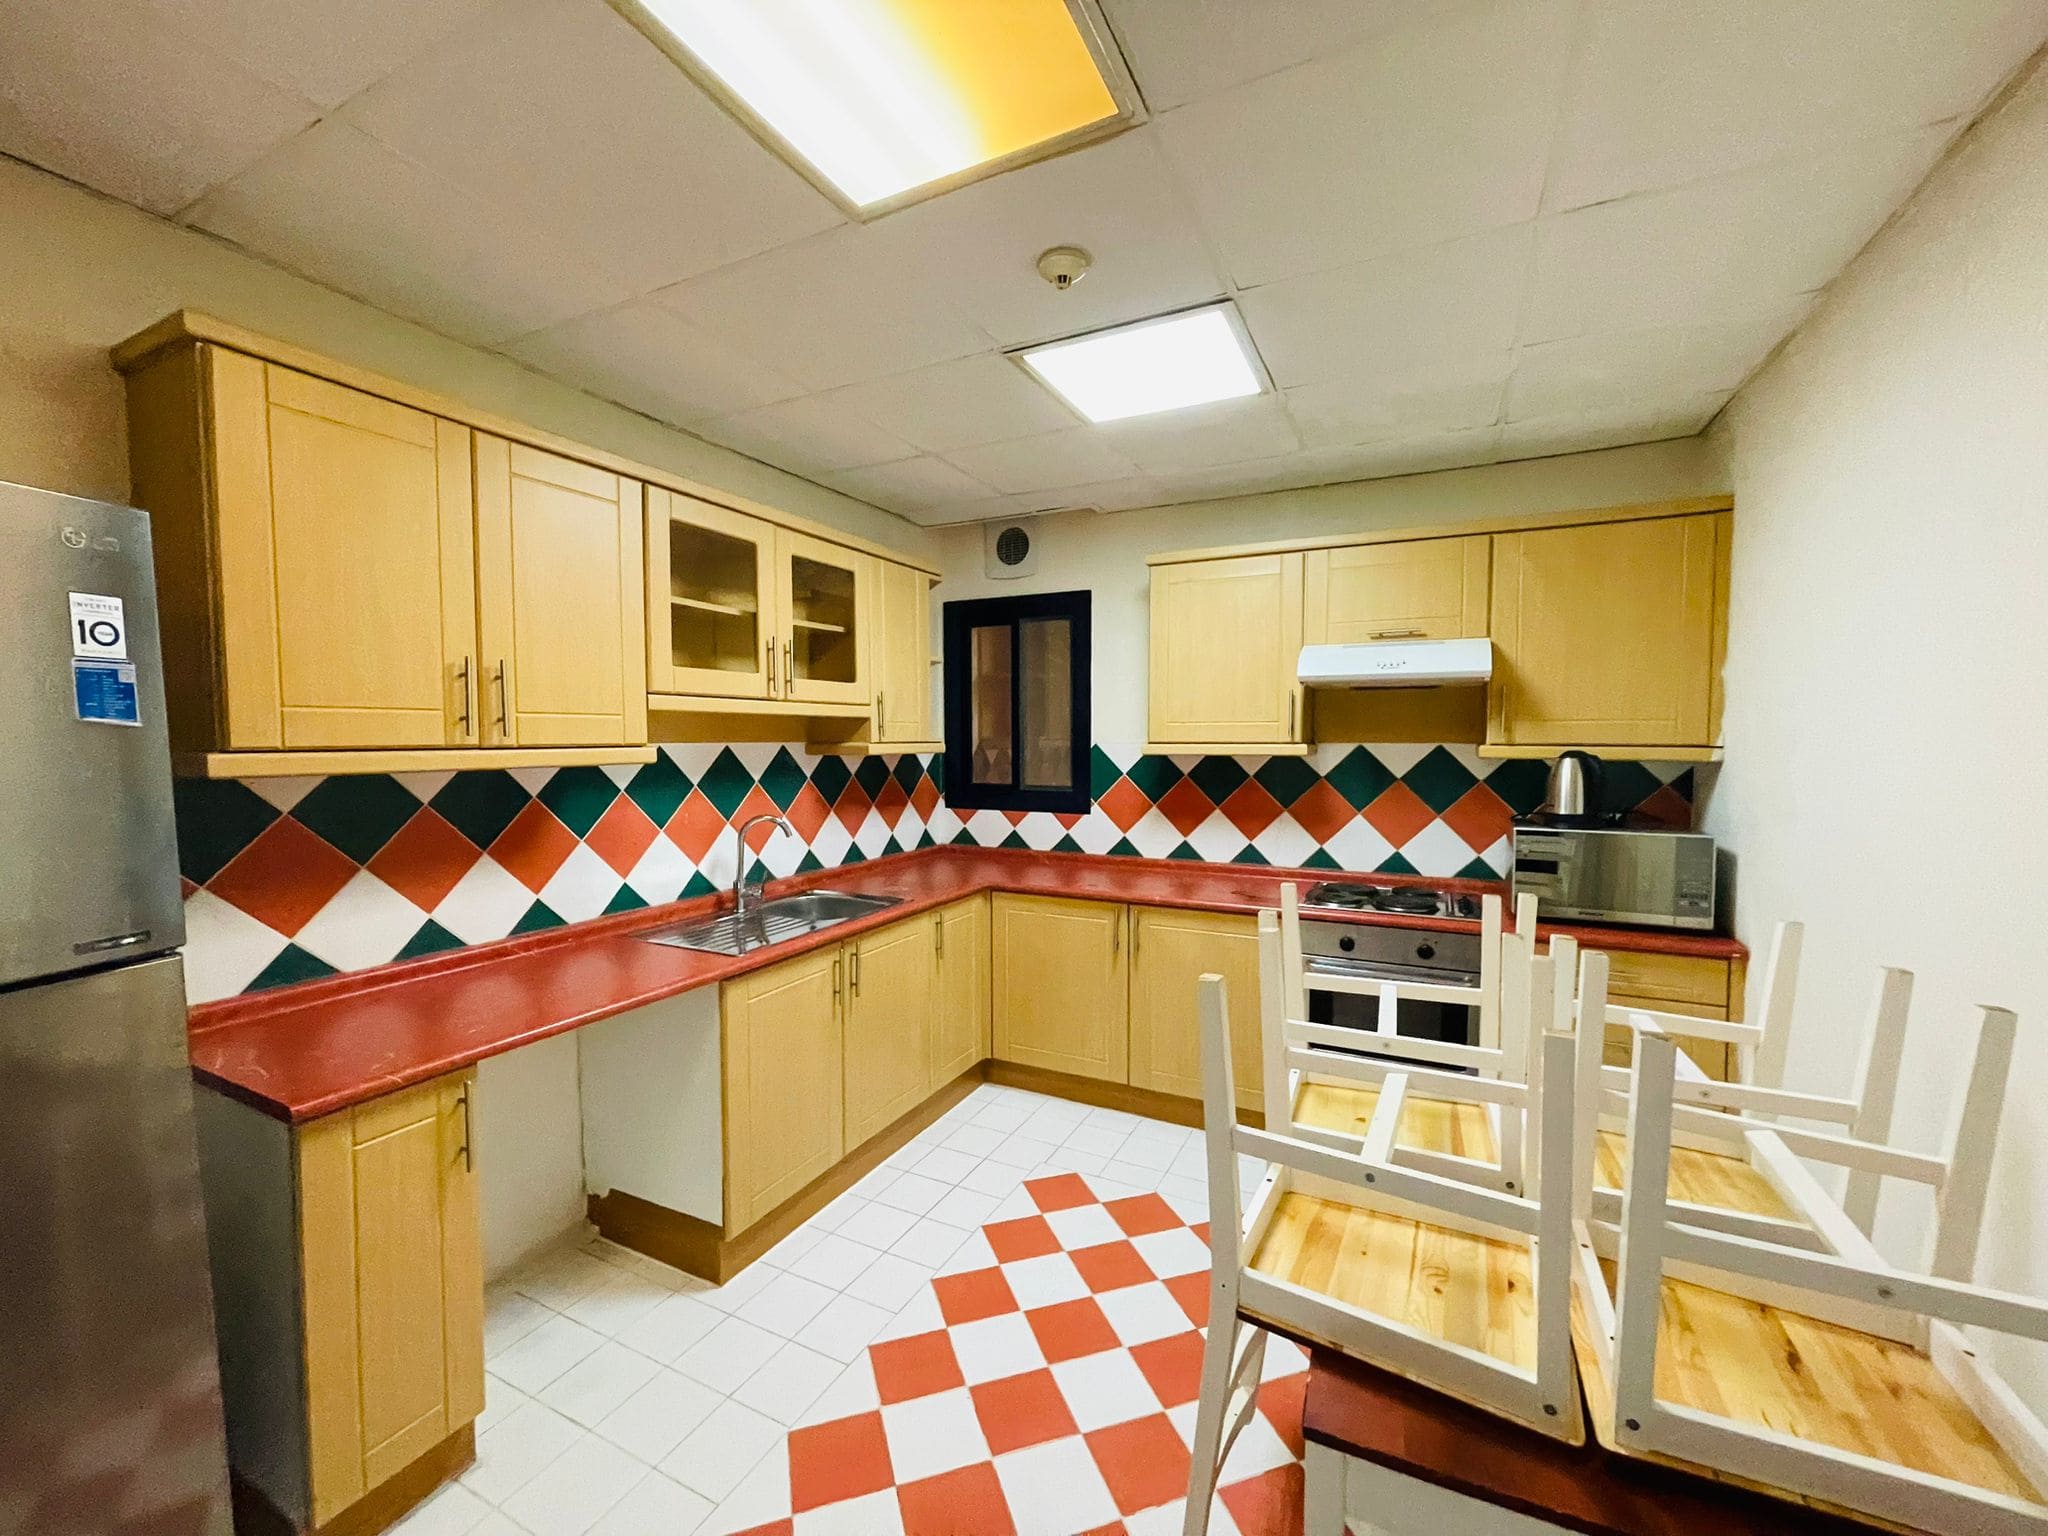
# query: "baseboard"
{"points": [[1149, 1102], [376, 1511]]}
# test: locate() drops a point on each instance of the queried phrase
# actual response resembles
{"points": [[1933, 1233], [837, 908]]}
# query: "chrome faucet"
{"points": [[745, 896]]}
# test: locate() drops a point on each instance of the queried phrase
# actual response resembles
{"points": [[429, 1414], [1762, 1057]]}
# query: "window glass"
{"points": [[1016, 685]]}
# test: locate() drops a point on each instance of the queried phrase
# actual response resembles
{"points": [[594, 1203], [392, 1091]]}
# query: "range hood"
{"points": [[1396, 664]]}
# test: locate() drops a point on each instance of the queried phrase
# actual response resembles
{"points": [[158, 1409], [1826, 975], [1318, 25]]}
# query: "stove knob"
{"points": [[1347, 944], [1425, 951]]}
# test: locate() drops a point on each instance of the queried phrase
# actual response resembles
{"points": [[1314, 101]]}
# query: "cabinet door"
{"points": [[1226, 636], [710, 601], [783, 1093], [1609, 634], [1061, 985], [1170, 952], [888, 1025], [902, 651], [1421, 589], [563, 600], [822, 610], [960, 1018], [392, 1267], [344, 562]]}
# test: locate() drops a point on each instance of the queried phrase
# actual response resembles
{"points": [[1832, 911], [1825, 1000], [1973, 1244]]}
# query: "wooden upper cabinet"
{"points": [[342, 537], [1060, 976], [710, 598], [1417, 589], [822, 594], [902, 652], [1171, 951], [563, 594], [1226, 638], [1610, 634]]}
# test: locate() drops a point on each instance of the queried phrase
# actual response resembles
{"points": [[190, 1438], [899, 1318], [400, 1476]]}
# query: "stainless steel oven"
{"points": [[1373, 952]]}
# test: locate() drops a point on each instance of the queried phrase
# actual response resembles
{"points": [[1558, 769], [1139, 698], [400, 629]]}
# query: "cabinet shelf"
{"points": [[705, 605], [818, 626]]}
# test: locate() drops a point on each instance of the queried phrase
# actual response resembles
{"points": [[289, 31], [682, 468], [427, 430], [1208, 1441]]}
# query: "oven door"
{"points": [[1452, 1023]]}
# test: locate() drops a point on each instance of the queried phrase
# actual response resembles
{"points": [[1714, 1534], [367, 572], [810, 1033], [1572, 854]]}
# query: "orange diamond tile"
{"points": [[892, 802], [1250, 809], [534, 846], [696, 826], [1269, 1503], [425, 860], [1322, 812], [1028, 1237], [1144, 1461], [977, 1293], [1173, 1366], [1186, 806], [1125, 804], [852, 806], [843, 1459], [917, 1366], [621, 835], [1070, 1329], [1280, 1400], [925, 798], [1480, 817], [1021, 1410], [1192, 1292], [1110, 1266], [1139, 1214], [808, 812], [1060, 1192], [757, 803], [1398, 814], [968, 1501], [285, 876], [1667, 808]]}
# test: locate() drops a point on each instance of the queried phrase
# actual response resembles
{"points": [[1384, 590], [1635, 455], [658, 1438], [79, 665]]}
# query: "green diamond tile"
{"points": [[658, 788], [871, 773], [698, 885], [1626, 785], [292, 964], [1123, 848], [1360, 778], [891, 845], [1479, 869], [783, 779], [852, 856], [217, 819], [1155, 776], [1102, 773], [1014, 840], [908, 771], [1066, 844], [926, 840], [964, 839], [830, 777], [809, 862], [1217, 777], [1395, 864], [1250, 855], [726, 782], [627, 900], [357, 812], [538, 916], [481, 804], [1522, 783], [1185, 851], [1320, 859], [432, 939], [1686, 786], [1439, 780], [935, 765], [1286, 779], [578, 797]]}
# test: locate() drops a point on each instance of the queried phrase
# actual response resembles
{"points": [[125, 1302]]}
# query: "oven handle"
{"points": [[1367, 970]]}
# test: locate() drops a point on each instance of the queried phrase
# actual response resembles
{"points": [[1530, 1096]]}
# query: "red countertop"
{"points": [[308, 1050]]}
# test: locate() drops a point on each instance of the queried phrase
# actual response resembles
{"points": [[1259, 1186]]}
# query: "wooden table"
{"points": [[1434, 1467]]}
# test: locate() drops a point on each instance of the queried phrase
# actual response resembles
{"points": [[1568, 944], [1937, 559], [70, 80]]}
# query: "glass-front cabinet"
{"points": [[823, 608]]}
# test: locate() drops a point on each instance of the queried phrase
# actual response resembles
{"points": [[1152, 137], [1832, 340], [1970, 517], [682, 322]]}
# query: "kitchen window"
{"points": [[1017, 703]]}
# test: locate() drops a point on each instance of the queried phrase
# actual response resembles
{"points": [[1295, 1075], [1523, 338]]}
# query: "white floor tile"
{"points": [[1098, 1139], [570, 1495], [1071, 1160], [740, 1289], [889, 1281], [844, 1328], [1188, 1197], [920, 1314], [834, 1215], [508, 1318], [728, 1354], [875, 1514], [1176, 1251], [974, 1253], [671, 1328], [789, 1253], [761, 1498], [992, 1178], [593, 1387], [546, 1353], [512, 1452], [654, 1506], [500, 1399], [785, 1304], [498, 1523], [991, 1348], [1139, 1314], [852, 1391], [1116, 1119], [871, 1184], [946, 1165], [835, 1261], [1058, 1484], [1025, 1151], [563, 1278], [933, 1434], [654, 1420], [963, 1208], [1083, 1226], [913, 1192], [625, 1298], [1106, 1388], [1133, 1175], [929, 1242], [788, 1383], [975, 1141], [877, 1226], [723, 1449], [1044, 1281], [1002, 1117], [453, 1511]]}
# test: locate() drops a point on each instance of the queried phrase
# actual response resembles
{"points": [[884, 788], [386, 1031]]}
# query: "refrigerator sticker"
{"points": [[98, 627], [104, 691]]}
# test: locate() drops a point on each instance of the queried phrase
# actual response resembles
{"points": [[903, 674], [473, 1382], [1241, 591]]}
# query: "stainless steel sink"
{"points": [[772, 922]]}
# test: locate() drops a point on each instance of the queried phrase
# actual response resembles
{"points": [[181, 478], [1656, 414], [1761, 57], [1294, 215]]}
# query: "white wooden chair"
{"points": [[1819, 1371], [1460, 1286]]}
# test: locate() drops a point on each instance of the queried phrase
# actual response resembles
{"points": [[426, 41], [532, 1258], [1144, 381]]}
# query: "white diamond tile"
{"points": [[788, 1382], [933, 1434], [715, 1455], [991, 1348], [225, 948], [1107, 1387], [844, 1328], [582, 887], [365, 923], [727, 1355]]}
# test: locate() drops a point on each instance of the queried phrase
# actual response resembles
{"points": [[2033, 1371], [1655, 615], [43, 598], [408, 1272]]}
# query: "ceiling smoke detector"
{"points": [[1064, 265]]}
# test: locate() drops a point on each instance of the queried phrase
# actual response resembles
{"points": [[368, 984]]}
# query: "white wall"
{"points": [[529, 1150], [1106, 553], [1887, 723], [80, 272]]}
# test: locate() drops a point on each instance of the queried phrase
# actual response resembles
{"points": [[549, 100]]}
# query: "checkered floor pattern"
{"points": [[997, 1333]]}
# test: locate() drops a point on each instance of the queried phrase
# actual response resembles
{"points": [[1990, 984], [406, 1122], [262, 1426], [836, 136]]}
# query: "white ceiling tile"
{"points": [[1453, 394], [653, 360], [562, 109], [340, 208], [985, 509], [1415, 454], [1722, 247], [834, 309], [1418, 136], [1666, 91], [1611, 427], [1115, 495], [326, 50], [1181, 49], [1394, 313], [1077, 456], [1284, 473], [959, 403], [905, 485], [1228, 432], [1644, 370], [98, 91], [1117, 200], [808, 436]]}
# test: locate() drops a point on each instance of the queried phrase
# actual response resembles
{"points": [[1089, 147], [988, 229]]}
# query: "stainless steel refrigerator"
{"points": [[110, 1414]]}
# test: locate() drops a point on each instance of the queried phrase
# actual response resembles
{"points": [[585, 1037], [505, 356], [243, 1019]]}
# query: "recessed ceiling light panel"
{"points": [[1167, 364], [881, 102]]}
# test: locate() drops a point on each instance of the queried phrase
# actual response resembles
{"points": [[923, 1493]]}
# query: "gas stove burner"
{"points": [[1413, 899], [1396, 900]]}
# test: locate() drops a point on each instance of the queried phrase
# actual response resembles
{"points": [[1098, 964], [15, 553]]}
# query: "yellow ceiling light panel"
{"points": [[884, 102]]}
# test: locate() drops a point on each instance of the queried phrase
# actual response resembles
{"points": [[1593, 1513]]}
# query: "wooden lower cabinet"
{"points": [[960, 990], [784, 1094], [1170, 951], [1060, 974], [1700, 985], [888, 997]]}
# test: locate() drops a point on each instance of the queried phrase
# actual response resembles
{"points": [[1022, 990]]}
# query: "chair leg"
{"points": [[1219, 1350], [1322, 1512]]}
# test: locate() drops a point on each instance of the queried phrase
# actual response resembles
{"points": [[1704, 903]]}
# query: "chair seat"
{"points": [[1701, 1178], [1427, 1125], [1473, 1291]]}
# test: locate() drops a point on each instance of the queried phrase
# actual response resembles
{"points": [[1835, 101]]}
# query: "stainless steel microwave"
{"points": [[1616, 875]]}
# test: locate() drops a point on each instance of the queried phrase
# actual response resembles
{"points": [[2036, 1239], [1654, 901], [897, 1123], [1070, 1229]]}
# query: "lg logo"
{"points": [[78, 538]]}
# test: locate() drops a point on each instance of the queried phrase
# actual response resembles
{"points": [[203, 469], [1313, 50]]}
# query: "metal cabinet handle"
{"points": [[1395, 634], [1292, 699], [838, 976], [853, 971], [788, 669], [880, 713], [771, 666], [504, 714], [468, 700], [939, 935], [468, 1134], [1116, 936]]}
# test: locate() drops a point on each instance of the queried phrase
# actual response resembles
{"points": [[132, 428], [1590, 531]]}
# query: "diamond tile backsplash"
{"points": [[289, 879]]}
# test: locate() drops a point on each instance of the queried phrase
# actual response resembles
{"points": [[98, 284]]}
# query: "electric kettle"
{"points": [[1575, 784]]}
